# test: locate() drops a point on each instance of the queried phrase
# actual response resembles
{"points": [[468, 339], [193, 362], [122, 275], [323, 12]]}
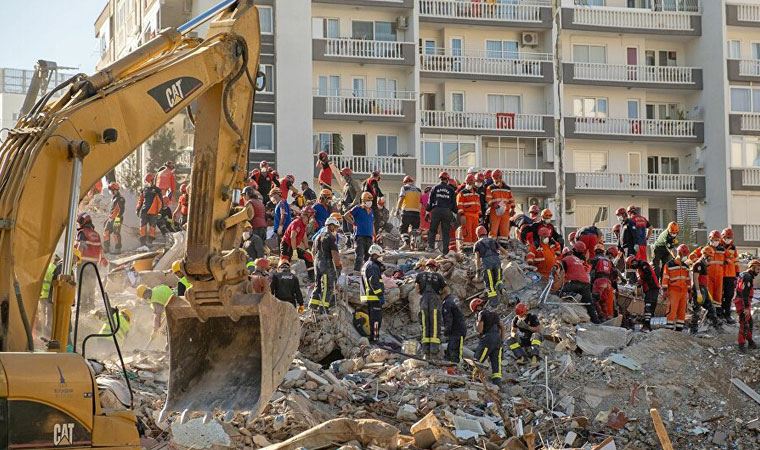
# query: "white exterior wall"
{"points": [[10, 105], [371, 131]]}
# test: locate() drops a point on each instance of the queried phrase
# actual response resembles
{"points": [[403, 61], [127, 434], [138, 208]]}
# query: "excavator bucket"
{"points": [[220, 364]]}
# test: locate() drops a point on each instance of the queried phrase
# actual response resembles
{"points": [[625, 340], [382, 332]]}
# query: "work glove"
{"points": [[700, 298]]}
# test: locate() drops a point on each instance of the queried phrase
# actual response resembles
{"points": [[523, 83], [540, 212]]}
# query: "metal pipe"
{"points": [[205, 16], [68, 245]]}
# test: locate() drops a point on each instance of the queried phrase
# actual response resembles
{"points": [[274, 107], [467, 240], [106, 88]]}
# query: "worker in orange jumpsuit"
{"points": [[730, 271], [167, 182], [715, 269], [603, 281], [546, 251], [676, 283], [149, 205], [500, 208], [468, 208]]}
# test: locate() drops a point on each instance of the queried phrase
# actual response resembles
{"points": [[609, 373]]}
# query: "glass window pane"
{"points": [[265, 19], [511, 49], [512, 103], [589, 107], [317, 30], [740, 100], [493, 49], [597, 54], [333, 28], [263, 137], [633, 109], [649, 59], [580, 53], [362, 30], [756, 100], [430, 47], [450, 154], [495, 104], [466, 154], [432, 154], [382, 148], [755, 50], [734, 49], [457, 102], [392, 145], [385, 31], [754, 155], [736, 154]]}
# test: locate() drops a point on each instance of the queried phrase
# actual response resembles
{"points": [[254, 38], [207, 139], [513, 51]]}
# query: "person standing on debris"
{"points": [[716, 268], [323, 207], [730, 271], [372, 292], [590, 235], [700, 295], [46, 302], [183, 205], [523, 224], [326, 170], [487, 259], [663, 247], [351, 198], [382, 220], [259, 275], [441, 207], [430, 284], [282, 215], [492, 333], [745, 290], [454, 327], [148, 208], [88, 240], [263, 178], [308, 193], [604, 278], [501, 208], [676, 283], [295, 238], [647, 279], [328, 267], [113, 223], [525, 340], [577, 278], [259, 220], [372, 185], [158, 297], [167, 182], [363, 220], [285, 286], [408, 207], [642, 231], [468, 208], [183, 284]]}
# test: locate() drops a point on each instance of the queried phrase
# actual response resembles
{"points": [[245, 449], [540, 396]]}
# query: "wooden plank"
{"points": [[659, 427], [746, 389]]}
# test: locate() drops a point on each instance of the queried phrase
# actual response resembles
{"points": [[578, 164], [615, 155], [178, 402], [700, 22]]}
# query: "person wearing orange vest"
{"points": [[468, 208], [699, 292], [730, 271], [167, 182], [500, 208], [115, 217], [149, 205], [88, 240], [715, 268], [676, 283], [545, 252], [183, 205]]}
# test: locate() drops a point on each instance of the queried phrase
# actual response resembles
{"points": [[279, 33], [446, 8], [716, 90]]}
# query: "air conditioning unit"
{"points": [[547, 148], [402, 23], [529, 39], [535, 201]]}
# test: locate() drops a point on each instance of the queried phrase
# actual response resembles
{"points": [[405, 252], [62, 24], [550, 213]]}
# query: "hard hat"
{"points": [[472, 170], [714, 235], [633, 209], [546, 214], [177, 266], [375, 249], [496, 175], [326, 193], [149, 177], [275, 191], [613, 251], [253, 173], [322, 155], [708, 251], [616, 229], [248, 191], [480, 177], [307, 210], [534, 209], [727, 233], [263, 164], [566, 251], [346, 171], [481, 231], [683, 250], [336, 216], [621, 212], [114, 186], [488, 173], [673, 228], [84, 219], [183, 188], [261, 263], [521, 309], [571, 236], [599, 248], [290, 177], [443, 175], [375, 174], [629, 261], [431, 262], [470, 179], [332, 221], [453, 182], [169, 164], [544, 232], [140, 290], [476, 304], [126, 313], [579, 247], [283, 263], [407, 179], [367, 197], [754, 264]]}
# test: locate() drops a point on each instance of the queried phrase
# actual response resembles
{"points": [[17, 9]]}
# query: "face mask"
{"points": [[728, 241], [714, 243], [672, 235], [621, 219], [478, 184], [470, 186], [368, 204], [547, 220]]}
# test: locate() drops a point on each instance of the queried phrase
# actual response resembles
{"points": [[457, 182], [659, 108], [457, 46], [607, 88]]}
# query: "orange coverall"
{"points": [[677, 282], [468, 205], [715, 273], [499, 194]]}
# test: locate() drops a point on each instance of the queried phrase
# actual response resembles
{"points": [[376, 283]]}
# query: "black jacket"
{"points": [[453, 319], [442, 196], [285, 287]]}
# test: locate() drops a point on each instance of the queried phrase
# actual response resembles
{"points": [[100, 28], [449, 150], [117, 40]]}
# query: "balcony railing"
{"points": [[611, 239], [748, 13], [483, 121], [516, 178], [750, 122], [457, 9], [633, 74], [387, 165], [482, 63], [751, 176], [635, 182], [366, 103], [359, 48], [636, 18], [635, 127], [749, 67]]}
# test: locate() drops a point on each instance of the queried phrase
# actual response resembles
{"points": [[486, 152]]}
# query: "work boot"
{"points": [[729, 319], [534, 361], [742, 349], [107, 246], [751, 345]]}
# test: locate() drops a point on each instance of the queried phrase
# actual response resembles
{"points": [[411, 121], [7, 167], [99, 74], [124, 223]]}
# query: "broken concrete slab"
{"points": [[195, 434], [599, 339]]}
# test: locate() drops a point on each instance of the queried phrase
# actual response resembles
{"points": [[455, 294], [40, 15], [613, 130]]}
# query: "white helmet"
{"points": [[332, 221], [375, 249], [472, 170]]}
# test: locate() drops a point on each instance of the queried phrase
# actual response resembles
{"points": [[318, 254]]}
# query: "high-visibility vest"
{"points": [[161, 294], [47, 281], [123, 325]]}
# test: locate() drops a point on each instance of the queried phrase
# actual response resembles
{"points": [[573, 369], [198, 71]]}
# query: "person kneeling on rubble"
{"points": [[492, 333], [373, 290], [285, 286], [325, 250], [487, 258], [526, 336], [454, 326], [577, 278], [430, 284]]}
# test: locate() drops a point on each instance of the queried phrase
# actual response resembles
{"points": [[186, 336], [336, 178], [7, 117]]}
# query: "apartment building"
{"points": [[14, 85]]}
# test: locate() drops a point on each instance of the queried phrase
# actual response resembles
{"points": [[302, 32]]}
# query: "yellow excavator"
{"points": [[229, 348]]}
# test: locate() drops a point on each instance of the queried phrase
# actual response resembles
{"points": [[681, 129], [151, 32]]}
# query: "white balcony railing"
{"points": [[636, 127], [482, 63], [474, 10], [748, 13], [611, 239], [751, 233], [387, 165], [366, 103], [635, 182], [749, 67], [637, 18], [360, 48], [483, 121], [516, 178], [633, 74], [750, 122], [751, 176]]}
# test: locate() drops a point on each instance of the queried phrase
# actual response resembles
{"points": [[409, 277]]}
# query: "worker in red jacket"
{"points": [[577, 279], [167, 182], [647, 279], [745, 290]]}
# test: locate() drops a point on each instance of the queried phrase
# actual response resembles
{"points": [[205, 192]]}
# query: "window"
{"points": [[502, 49], [103, 44], [329, 85], [457, 101], [633, 109], [590, 107], [734, 49], [669, 165], [663, 111], [590, 161], [385, 88], [755, 50], [745, 99], [268, 81], [265, 19], [357, 87], [431, 153], [331, 143], [430, 47], [745, 152], [325, 28], [385, 31], [262, 137], [503, 103], [387, 145], [362, 30], [448, 153], [359, 144], [589, 2], [590, 54], [427, 100]]}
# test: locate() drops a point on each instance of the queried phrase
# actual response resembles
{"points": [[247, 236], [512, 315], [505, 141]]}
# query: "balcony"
{"points": [[391, 167], [658, 130], [743, 15], [653, 77], [747, 124], [496, 124], [525, 67], [385, 106], [522, 14], [633, 20], [649, 183], [528, 180], [745, 179], [406, 4], [743, 70], [746, 235], [363, 51]]}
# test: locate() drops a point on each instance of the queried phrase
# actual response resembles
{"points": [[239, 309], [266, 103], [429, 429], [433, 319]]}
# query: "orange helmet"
{"points": [[521, 309], [546, 214], [326, 193], [480, 231], [262, 263], [613, 251], [337, 216], [149, 177], [708, 251], [620, 212], [714, 235], [476, 304], [469, 179], [673, 228], [346, 171], [114, 186], [407, 179], [727, 233], [683, 250], [496, 174]]}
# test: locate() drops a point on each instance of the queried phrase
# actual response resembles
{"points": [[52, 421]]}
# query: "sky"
{"points": [[55, 30]]}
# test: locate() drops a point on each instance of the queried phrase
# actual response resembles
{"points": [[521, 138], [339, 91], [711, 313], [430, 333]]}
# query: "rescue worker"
{"points": [[454, 327], [372, 185], [590, 235], [285, 286], [88, 240], [149, 205], [323, 207], [121, 325], [326, 170], [700, 294], [372, 292], [167, 182], [264, 178], [627, 241], [603, 282], [525, 340], [492, 333], [523, 223], [46, 303], [351, 198], [308, 193], [545, 242], [642, 231], [676, 284], [571, 238], [441, 207], [182, 282], [730, 271], [468, 208], [259, 275], [663, 247], [500, 208], [328, 266], [408, 207], [252, 243], [382, 219], [115, 217], [481, 188], [183, 205], [362, 219], [546, 222], [158, 297], [647, 279], [487, 259], [295, 238], [282, 212], [430, 284], [715, 268], [744, 292], [577, 279], [259, 220]]}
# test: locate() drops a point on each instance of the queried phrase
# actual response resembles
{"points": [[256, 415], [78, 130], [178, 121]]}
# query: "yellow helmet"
{"points": [[127, 314], [141, 290], [177, 266]]}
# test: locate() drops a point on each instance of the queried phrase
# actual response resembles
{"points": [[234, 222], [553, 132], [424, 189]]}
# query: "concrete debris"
{"points": [[599, 339], [195, 434]]}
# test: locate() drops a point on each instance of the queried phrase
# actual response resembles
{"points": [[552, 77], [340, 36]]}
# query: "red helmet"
{"points": [[322, 155], [488, 174], [114, 186], [453, 182], [262, 263], [616, 229], [496, 175], [149, 177], [566, 251], [470, 179], [254, 172], [290, 177], [376, 174], [308, 210], [714, 235], [346, 171], [521, 309], [621, 212], [544, 232], [629, 261], [546, 214], [727, 233], [613, 251], [480, 231], [476, 304], [84, 219], [633, 209], [579, 247], [443, 175], [534, 210], [407, 179], [183, 188], [571, 236], [480, 177], [683, 250]]}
